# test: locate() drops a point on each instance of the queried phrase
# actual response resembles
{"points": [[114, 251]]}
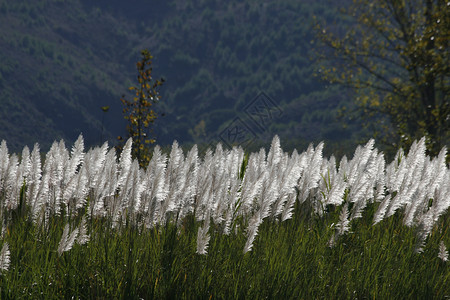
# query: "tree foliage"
{"points": [[139, 111], [395, 54]]}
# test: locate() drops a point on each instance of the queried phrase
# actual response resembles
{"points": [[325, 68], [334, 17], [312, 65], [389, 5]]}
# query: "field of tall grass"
{"points": [[92, 224]]}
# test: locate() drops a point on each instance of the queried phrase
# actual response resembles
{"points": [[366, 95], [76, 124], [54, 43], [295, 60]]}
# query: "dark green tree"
{"points": [[139, 110], [395, 55]]}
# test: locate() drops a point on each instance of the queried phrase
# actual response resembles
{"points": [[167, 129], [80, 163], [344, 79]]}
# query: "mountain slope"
{"points": [[60, 65], [63, 60]]}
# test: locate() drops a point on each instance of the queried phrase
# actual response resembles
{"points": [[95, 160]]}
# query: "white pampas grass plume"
{"points": [[443, 253], [381, 211], [25, 163], [3, 230], [175, 181], [12, 183], [67, 240], [83, 236], [5, 257], [275, 153], [77, 155], [289, 207], [252, 231], [289, 174], [190, 169], [155, 190], [203, 237], [125, 161], [202, 240], [332, 241], [343, 224], [311, 174], [4, 162], [34, 178], [105, 195]]}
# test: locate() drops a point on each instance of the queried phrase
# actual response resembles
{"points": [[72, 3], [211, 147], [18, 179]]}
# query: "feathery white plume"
{"points": [[253, 180], [12, 183], [34, 177], [67, 240], [343, 224], [175, 181], [311, 175], [190, 167], [275, 152], [4, 162], [155, 190], [25, 164], [289, 207], [204, 192], [289, 172], [381, 211], [125, 161], [5, 257], [83, 236], [135, 192], [77, 155], [104, 194], [203, 237], [443, 253], [252, 231]]}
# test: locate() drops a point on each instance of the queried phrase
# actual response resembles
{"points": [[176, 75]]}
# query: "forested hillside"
{"points": [[60, 63], [63, 60]]}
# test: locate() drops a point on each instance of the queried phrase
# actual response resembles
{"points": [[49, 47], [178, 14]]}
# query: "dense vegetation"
{"points": [[59, 65], [396, 57], [63, 60], [289, 260], [228, 225]]}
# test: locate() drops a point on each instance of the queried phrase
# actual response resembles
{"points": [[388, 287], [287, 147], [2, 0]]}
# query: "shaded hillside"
{"points": [[66, 59], [223, 55], [60, 64]]}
